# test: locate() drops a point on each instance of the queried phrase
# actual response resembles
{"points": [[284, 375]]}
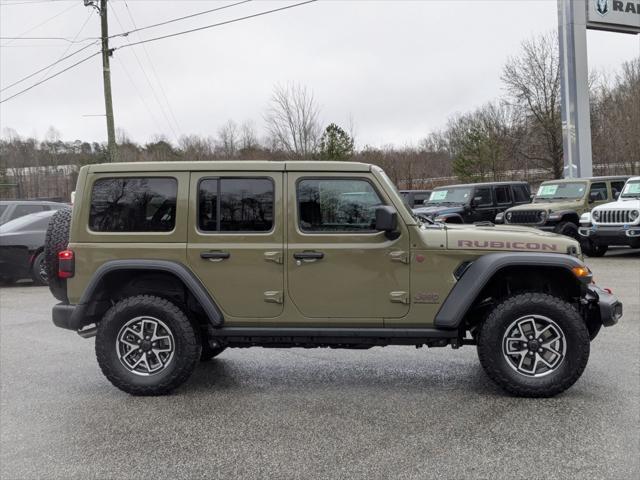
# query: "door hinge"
{"points": [[399, 256], [399, 297], [275, 257], [273, 296]]}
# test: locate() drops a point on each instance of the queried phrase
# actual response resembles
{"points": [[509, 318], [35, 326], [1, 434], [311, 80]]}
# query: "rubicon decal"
{"points": [[497, 244]]}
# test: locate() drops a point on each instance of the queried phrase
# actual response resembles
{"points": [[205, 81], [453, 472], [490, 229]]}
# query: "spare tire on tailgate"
{"points": [[56, 240]]}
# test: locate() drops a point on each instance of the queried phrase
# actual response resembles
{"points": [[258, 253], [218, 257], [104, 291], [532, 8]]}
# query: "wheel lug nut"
{"points": [[530, 337]]}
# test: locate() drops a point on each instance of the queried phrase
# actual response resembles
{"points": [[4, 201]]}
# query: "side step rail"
{"points": [[339, 337]]}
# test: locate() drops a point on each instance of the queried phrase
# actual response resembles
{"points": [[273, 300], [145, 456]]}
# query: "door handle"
{"points": [[215, 256], [308, 255]]}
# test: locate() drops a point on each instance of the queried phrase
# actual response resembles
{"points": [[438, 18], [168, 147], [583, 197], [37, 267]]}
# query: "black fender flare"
{"points": [[450, 216], [481, 271], [560, 215], [186, 276]]}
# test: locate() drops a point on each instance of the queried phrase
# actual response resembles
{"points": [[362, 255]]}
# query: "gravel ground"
{"points": [[395, 412]]}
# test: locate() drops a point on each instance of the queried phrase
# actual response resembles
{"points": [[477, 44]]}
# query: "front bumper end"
{"points": [[604, 306], [611, 235]]}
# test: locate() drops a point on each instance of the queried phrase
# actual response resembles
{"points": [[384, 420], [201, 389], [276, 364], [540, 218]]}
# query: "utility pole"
{"points": [[106, 76]]}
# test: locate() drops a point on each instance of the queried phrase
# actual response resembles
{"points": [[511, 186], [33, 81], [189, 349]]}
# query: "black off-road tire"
{"points": [[569, 229], [186, 353], [592, 249], [490, 350], [39, 277], [56, 240]]}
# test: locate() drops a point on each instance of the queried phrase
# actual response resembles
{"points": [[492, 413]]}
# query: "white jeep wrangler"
{"points": [[615, 223]]}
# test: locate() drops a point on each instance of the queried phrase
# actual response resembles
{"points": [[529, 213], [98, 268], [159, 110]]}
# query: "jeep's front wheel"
{"points": [[146, 345], [534, 345], [570, 230], [592, 249]]}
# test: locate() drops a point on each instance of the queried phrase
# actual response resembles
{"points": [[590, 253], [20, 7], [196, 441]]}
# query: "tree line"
{"points": [[517, 136]]}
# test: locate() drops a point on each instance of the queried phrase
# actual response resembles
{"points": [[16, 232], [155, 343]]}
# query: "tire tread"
{"points": [[489, 359], [189, 359]]}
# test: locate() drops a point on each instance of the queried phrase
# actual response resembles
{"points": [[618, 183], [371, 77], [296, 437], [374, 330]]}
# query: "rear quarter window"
{"points": [[133, 204]]}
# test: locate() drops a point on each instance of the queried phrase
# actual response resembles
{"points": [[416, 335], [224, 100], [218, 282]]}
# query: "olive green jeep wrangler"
{"points": [[558, 205], [167, 264]]}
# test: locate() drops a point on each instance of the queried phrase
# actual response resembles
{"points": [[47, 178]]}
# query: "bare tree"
{"points": [[532, 80], [292, 120], [248, 136], [228, 139]]}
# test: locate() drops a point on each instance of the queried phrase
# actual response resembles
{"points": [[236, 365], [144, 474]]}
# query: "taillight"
{"points": [[66, 264]]}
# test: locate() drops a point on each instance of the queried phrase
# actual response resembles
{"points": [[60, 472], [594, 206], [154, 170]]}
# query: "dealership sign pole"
{"points": [[574, 18]]}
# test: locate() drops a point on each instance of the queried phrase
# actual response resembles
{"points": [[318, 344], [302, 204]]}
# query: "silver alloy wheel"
{"points": [[145, 346], [534, 345]]}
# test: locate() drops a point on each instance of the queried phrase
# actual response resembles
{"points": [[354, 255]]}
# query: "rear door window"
{"points": [[503, 195], [133, 204], [236, 205]]}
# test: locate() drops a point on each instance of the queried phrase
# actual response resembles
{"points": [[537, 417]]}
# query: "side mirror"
{"points": [[616, 195], [476, 201], [387, 221], [593, 196]]}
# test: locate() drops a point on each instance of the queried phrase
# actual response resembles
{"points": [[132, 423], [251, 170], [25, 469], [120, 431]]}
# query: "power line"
{"points": [[140, 96], [61, 39], [47, 67], [71, 44], [46, 21], [50, 77], [124, 34], [154, 72], [226, 22]]}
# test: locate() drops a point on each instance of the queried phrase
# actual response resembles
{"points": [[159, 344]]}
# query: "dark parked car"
{"points": [[415, 198], [474, 202], [12, 209], [22, 247]]}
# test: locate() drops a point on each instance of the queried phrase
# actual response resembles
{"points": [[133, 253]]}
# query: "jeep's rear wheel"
{"points": [[146, 345], [534, 345]]}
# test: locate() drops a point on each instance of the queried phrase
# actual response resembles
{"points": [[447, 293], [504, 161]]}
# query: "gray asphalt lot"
{"points": [[393, 412]]}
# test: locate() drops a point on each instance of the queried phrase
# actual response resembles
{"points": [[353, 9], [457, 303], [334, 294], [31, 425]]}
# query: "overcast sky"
{"points": [[399, 69]]}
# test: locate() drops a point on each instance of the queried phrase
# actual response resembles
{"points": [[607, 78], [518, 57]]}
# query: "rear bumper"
{"points": [[609, 308], [64, 316]]}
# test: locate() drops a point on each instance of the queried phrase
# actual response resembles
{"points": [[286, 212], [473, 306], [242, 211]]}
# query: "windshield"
{"points": [[561, 191], [2, 209], [450, 195], [631, 190]]}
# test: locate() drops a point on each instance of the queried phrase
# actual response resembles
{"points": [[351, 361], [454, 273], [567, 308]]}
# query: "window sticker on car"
{"points": [[439, 195], [633, 188], [548, 189]]}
